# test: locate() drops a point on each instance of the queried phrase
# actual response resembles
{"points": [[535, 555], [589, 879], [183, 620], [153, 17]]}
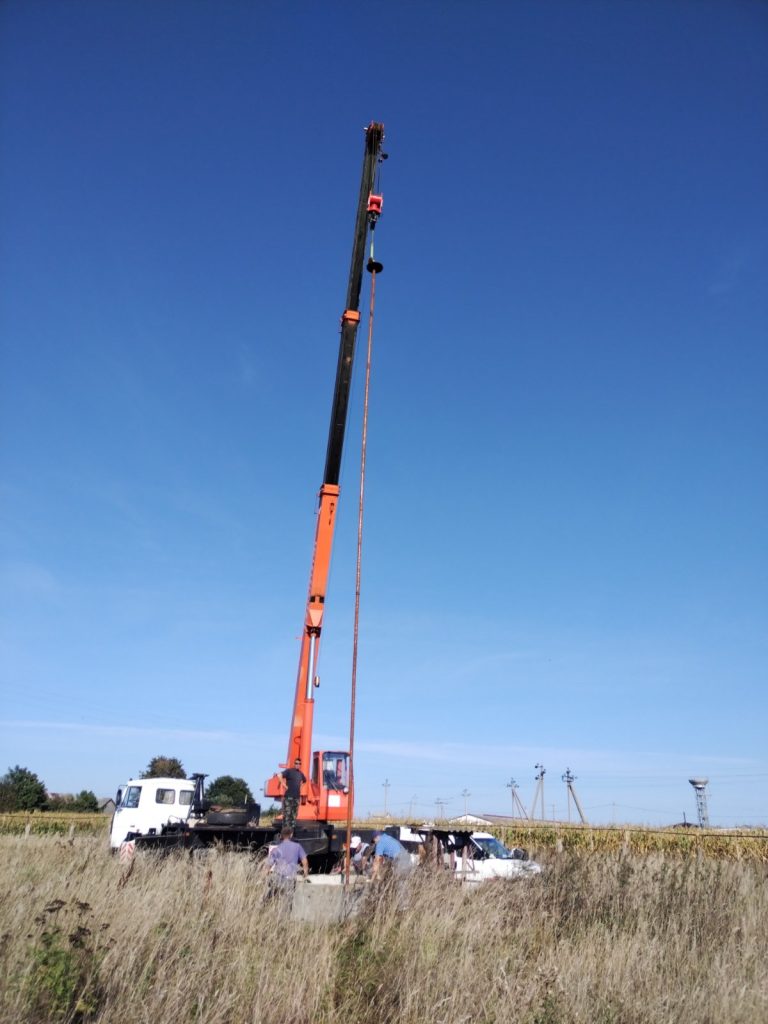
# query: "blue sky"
{"points": [[565, 549]]}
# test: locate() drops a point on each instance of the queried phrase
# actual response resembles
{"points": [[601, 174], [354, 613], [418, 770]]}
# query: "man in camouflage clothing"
{"points": [[294, 780]]}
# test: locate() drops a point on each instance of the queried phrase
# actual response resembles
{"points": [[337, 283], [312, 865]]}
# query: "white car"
{"points": [[487, 857], [143, 806], [475, 856]]}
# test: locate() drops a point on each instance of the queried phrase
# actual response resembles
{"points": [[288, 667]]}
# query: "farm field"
{"points": [[610, 937], [537, 837]]}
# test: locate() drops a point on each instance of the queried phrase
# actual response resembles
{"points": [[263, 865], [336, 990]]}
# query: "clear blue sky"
{"points": [[565, 551]]}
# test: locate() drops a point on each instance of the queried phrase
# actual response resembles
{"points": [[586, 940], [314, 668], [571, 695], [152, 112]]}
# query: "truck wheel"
{"points": [[233, 817]]}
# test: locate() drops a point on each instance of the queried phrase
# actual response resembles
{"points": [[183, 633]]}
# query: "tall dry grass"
{"points": [[603, 939]]}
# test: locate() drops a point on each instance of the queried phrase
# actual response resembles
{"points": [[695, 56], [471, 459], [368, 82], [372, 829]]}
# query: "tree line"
{"points": [[22, 790]]}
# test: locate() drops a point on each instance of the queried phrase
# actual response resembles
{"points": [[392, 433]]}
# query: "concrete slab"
{"points": [[324, 899]]}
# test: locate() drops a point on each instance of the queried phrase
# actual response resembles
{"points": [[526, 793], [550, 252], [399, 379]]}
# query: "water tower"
{"points": [[700, 786]]}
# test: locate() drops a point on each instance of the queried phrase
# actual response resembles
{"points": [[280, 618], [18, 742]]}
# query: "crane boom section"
{"points": [[300, 739], [374, 137]]}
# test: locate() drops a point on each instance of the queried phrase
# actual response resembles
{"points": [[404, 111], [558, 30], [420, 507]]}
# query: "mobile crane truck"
{"points": [[326, 797]]}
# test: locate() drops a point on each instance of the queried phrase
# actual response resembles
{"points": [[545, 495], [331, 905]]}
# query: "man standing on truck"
{"points": [[294, 780]]}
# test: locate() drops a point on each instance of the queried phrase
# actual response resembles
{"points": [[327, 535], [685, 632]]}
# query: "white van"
{"points": [[487, 857], [475, 856], [145, 805]]}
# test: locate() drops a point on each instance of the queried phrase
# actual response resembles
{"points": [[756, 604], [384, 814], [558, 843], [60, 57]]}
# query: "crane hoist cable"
{"points": [[374, 268]]}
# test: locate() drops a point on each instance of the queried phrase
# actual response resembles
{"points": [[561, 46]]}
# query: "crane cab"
{"points": [[330, 783], [326, 795]]}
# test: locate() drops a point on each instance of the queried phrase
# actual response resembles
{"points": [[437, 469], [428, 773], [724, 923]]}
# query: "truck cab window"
{"points": [[132, 795], [185, 797], [165, 796]]}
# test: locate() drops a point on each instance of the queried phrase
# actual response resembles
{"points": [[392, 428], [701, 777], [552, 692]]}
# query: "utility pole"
{"points": [[569, 778], [385, 784], [465, 793], [568, 792], [440, 804], [410, 806], [539, 792], [516, 802]]}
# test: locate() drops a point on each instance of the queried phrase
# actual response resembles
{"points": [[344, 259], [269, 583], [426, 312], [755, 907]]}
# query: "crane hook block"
{"points": [[375, 204], [373, 266]]}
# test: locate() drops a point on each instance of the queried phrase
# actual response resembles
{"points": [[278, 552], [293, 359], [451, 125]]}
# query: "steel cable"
{"points": [[355, 631]]}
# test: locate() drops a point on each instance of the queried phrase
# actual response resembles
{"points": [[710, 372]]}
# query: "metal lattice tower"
{"points": [[700, 787]]}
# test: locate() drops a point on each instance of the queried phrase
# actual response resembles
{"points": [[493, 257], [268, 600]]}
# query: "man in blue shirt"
{"points": [[389, 855], [284, 861]]}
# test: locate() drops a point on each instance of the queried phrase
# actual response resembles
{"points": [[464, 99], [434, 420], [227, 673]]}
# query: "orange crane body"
{"points": [[327, 795]]}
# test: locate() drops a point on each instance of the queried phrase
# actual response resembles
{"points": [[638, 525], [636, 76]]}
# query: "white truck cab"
{"points": [[145, 805]]}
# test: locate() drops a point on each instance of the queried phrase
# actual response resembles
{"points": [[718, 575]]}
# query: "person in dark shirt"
{"points": [[294, 780]]}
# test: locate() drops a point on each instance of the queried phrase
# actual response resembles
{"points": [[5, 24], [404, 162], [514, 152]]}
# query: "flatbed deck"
{"points": [[323, 844]]}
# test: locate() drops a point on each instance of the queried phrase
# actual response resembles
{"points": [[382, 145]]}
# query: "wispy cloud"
{"points": [[613, 762], [29, 579], [130, 731]]}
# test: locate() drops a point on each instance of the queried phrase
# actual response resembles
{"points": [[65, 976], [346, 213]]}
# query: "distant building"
{"points": [[500, 820], [472, 819], [107, 806]]}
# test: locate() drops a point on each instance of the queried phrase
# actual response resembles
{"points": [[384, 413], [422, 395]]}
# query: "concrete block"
{"points": [[325, 898]]}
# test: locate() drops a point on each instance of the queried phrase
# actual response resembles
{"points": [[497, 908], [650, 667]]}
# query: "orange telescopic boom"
{"points": [[326, 796]]}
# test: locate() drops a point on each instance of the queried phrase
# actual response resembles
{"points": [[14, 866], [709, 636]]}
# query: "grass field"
{"points": [[598, 938]]}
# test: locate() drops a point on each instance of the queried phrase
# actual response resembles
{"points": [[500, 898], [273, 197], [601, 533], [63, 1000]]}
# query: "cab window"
{"points": [[131, 798], [185, 797], [335, 770], [165, 796]]}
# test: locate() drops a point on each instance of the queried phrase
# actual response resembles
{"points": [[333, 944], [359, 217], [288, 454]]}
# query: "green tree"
{"points": [[164, 767], [227, 791], [7, 801], [86, 802], [21, 790]]}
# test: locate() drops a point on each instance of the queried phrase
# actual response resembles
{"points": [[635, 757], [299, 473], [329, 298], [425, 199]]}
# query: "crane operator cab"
{"points": [[330, 779], [325, 796], [334, 766]]}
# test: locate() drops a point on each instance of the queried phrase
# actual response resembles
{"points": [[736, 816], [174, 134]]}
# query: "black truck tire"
{"points": [[239, 816]]}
